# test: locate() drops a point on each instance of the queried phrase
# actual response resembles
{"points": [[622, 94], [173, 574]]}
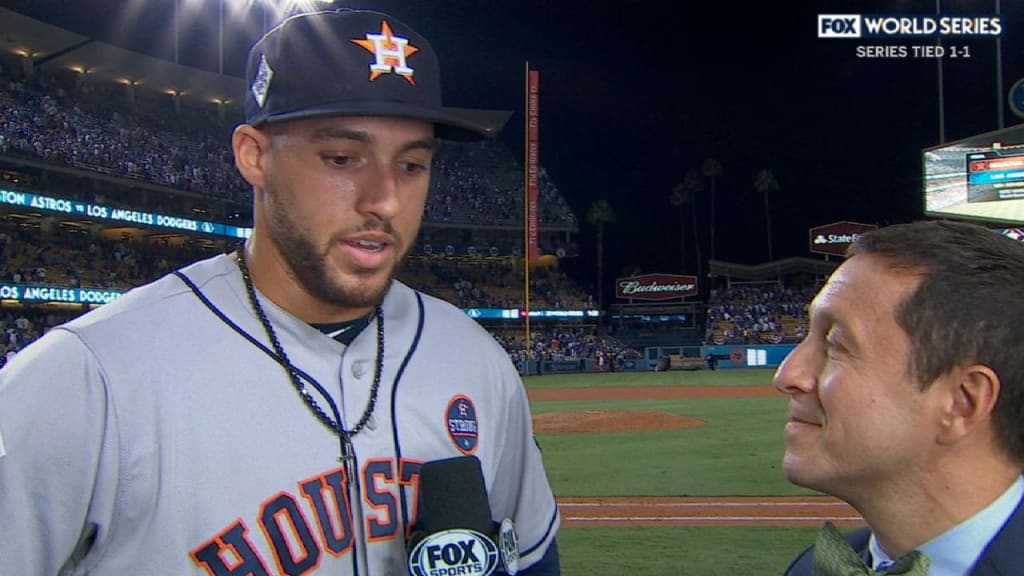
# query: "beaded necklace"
{"points": [[344, 436]]}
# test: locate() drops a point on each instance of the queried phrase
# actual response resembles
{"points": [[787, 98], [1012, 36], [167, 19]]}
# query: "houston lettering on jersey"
{"points": [[299, 528]]}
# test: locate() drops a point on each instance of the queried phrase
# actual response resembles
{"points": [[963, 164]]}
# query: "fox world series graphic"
{"points": [[924, 27]]}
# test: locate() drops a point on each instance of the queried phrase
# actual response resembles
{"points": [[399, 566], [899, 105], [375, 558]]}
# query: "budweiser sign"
{"points": [[836, 237], [655, 287]]}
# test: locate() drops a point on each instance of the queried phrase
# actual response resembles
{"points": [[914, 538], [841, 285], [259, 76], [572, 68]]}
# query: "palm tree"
{"points": [[712, 169], [765, 182], [683, 194], [600, 213], [680, 197], [692, 180]]}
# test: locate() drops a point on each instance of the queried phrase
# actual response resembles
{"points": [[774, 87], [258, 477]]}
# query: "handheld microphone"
{"points": [[455, 535]]}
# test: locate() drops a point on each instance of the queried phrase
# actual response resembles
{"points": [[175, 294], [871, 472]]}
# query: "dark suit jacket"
{"points": [[1002, 557]]}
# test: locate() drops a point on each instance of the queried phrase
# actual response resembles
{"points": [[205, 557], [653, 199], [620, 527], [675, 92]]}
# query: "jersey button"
{"points": [[358, 369]]}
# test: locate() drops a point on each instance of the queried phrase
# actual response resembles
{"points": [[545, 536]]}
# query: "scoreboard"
{"points": [[995, 175]]}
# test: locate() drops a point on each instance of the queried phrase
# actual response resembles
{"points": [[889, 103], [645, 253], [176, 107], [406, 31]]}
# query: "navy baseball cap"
{"points": [[354, 63]]}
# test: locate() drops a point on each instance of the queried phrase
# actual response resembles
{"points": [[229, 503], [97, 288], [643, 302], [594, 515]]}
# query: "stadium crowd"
{"points": [[42, 120], [46, 252], [73, 122], [566, 344], [64, 256], [21, 325], [444, 241], [85, 127], [766, 313], [481, 183], [68, 257], [492, 283]]}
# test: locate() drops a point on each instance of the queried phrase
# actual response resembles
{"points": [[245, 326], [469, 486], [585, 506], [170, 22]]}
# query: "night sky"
{"points": [[632, 98]]}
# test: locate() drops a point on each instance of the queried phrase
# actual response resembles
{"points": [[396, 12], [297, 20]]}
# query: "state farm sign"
{"points": [[655, 287], [836, 237]]}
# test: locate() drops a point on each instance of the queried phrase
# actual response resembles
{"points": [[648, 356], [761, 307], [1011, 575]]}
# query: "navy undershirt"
{"points": [[344, 332]]}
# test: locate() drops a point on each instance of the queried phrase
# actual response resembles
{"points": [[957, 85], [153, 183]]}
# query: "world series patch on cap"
{"points": [[354, 63]]}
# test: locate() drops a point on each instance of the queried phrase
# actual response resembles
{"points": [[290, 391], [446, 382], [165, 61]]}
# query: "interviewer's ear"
{"points": [[250, 145], [974, 390]]}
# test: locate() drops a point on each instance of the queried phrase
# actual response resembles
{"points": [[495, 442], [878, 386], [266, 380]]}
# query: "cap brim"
{"points": [[460, 124]]}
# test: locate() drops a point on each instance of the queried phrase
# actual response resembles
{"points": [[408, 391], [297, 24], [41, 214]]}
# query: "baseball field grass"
{"points": [[735, 450]]}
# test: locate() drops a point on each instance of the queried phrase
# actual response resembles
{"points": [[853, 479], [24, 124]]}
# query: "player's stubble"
{"points": [[308, 261]]}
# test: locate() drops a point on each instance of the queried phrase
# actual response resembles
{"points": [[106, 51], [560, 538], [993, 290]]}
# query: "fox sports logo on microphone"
{"points": [[457, 552]]}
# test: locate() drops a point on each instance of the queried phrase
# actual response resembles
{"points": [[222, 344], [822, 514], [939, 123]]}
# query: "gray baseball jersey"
{"points": [[149, 437]]}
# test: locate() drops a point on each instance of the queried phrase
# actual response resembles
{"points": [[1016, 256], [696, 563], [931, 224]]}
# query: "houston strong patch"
{"points": [[463, 427]]}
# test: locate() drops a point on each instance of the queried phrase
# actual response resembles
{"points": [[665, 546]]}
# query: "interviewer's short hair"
{"points": [[967, 309]]}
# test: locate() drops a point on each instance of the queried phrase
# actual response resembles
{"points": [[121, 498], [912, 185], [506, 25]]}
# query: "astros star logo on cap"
{"points": [[390, 51]]}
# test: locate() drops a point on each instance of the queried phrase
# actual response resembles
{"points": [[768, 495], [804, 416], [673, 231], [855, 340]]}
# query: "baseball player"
{"points": [[268, 411]]}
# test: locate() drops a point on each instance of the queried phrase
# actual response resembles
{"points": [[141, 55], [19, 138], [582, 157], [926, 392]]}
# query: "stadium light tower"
{"points": [[220, 28], [280, 8]]}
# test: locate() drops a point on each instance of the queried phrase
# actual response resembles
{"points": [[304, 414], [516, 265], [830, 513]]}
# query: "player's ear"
{"points": [[250, 146]]}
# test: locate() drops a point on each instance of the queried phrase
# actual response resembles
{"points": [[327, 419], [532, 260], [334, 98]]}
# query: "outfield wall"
{"points": [[748, 356], [577, 366], [729, 356], [726, 355]]}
